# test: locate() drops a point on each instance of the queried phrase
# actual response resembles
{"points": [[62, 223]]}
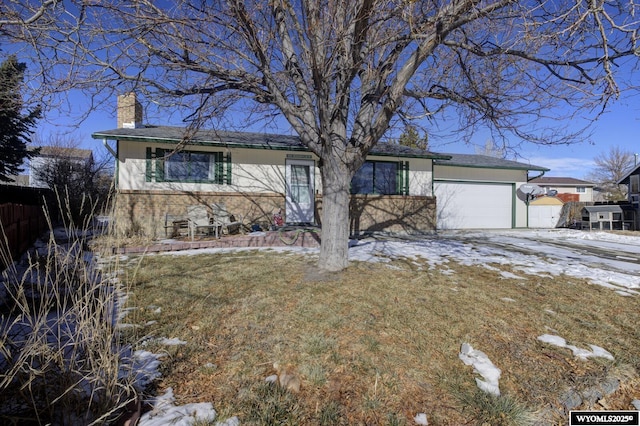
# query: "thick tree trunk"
{"points": [[336, 180]]}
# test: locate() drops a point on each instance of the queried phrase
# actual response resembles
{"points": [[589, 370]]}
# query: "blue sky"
{"points": [[619, 126]]}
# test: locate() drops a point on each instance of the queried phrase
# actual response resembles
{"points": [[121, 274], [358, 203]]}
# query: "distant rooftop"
{"points": [[57, 152], [560, 181], [486, 161]]}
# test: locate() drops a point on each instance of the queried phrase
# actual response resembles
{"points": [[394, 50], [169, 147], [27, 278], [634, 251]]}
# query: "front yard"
{"points": [[379, 343]]}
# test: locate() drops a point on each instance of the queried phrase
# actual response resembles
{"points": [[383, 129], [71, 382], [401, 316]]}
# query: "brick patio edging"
{"points": [[298, 238]]}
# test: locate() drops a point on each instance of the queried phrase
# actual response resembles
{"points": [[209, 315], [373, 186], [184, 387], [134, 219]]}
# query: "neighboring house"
{"points": [[54, 153], [632, 180], [258, 175], [19, 180], [480, 191], [568, 189]]}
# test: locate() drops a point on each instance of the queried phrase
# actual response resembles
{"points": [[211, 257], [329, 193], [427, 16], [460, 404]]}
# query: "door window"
{"points": [[300, 187]]}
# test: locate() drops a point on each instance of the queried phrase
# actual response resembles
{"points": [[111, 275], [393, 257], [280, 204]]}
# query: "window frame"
{"points": [[161, 156], [401, 178]]}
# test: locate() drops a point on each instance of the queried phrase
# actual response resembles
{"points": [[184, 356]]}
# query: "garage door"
{"points": [[474, 205]]}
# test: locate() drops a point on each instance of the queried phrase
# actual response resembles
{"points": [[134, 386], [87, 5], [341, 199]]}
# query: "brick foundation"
{"points": [[144, 212]]}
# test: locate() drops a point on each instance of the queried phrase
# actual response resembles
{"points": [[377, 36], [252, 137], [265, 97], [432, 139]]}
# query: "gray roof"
{"points": [[485, 161], [626, 178], [167, 134], [603, 208], [560, 181], [62, 152]]}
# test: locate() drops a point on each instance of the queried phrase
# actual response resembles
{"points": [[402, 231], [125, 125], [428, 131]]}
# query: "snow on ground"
{"points": [[531, 252], [483, 366], [583, 354]]}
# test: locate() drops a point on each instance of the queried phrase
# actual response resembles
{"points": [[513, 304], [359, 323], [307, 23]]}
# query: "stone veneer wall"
{"points": [[144, 212], [392, 213]]}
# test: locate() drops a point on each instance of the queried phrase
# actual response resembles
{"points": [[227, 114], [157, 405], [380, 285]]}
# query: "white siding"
{"points": [[253, 170]]}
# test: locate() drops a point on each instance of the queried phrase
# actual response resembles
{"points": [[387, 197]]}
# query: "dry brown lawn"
{"points": [[376, 344]]}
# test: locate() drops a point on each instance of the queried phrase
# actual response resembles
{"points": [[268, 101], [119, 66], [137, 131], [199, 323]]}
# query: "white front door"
{"points": [[300, 191]]}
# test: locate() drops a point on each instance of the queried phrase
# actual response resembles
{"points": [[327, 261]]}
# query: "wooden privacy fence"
{"points": [[22, 224]]}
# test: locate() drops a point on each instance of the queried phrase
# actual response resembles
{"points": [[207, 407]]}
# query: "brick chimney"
{"points": [[129, 111]]}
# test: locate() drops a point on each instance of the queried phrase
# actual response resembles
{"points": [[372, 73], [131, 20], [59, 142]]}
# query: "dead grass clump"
{"points": [[374, 344], [488, 409], [59, 347]]}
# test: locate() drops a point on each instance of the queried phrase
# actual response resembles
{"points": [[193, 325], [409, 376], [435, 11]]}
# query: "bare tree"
{"points": [[80, 181], [610, 167], [342, 72]]}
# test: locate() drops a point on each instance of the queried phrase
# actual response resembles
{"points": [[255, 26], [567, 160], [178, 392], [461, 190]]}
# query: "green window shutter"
{"points": [[148, 166], [402, 181], [219, 167], [159, 155], [406, 178], [228, 168]]}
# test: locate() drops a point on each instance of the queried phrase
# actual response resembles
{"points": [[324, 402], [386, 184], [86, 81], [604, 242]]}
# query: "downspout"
{"points": [[536, 177], [111, 151], [114, 154], [527, 195]]}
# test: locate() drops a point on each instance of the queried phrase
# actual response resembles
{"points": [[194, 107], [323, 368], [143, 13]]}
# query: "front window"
{"points": [[376, 177], [187, 166], [581, 189]]}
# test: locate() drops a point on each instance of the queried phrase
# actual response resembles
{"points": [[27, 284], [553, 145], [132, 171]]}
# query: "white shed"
{"points": [[544, 212]]}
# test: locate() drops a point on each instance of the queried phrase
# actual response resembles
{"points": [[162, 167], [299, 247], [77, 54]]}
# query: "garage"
{"points": [[474, 205]]}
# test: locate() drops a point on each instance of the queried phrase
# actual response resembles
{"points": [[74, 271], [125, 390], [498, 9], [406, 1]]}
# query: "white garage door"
{"points": [[474, 205]]}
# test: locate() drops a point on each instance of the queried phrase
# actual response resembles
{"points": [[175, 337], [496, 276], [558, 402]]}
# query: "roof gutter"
{"points": [[536, 177]]}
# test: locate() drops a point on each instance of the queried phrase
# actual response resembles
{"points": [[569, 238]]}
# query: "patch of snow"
{"points": [[511, 275], [553, 340], [636, 403], [583, 354], [165, 412], [421, 419], [170, 342], [507, 299], [272, 379], [483, 366], [142, 365], [600, 352]]}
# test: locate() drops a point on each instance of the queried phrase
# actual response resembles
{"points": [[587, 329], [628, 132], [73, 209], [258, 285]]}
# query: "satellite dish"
{"points": [[531, 189]]}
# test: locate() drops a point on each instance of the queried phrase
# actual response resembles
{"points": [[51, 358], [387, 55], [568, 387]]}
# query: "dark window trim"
{"points": [[402, 177], [157, 174]]}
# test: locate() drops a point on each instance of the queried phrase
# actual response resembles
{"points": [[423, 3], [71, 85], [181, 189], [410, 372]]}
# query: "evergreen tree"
{"points": [[15, 128], [412, 139]]}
